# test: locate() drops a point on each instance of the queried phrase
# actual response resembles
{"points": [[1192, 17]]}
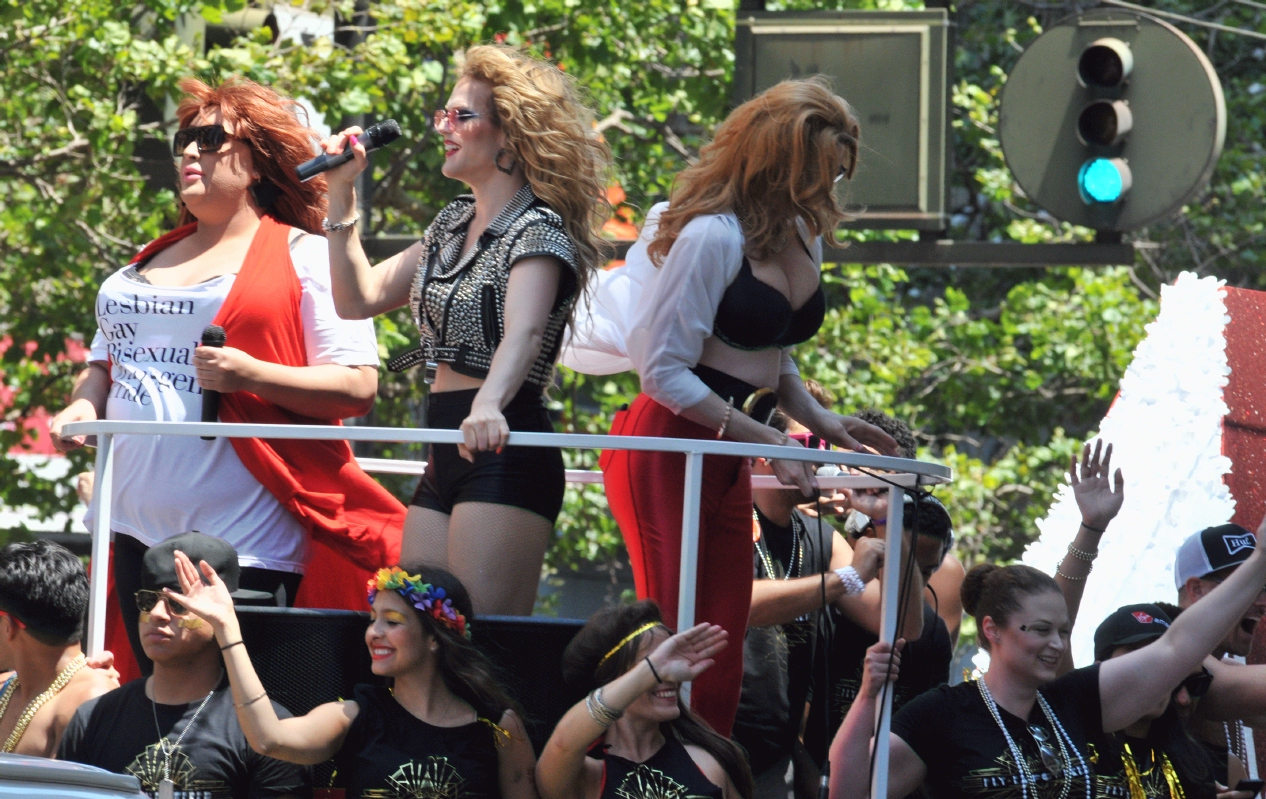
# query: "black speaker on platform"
{"points": [[307, 657]]}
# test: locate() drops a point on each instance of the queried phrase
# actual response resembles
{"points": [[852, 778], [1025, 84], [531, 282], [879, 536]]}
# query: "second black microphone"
{"points": [[375, 136]]}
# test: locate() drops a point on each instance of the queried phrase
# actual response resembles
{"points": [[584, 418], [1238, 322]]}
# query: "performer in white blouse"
{"points": [[728, 274]]}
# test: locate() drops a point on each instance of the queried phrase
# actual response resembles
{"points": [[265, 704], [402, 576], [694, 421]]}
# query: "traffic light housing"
{"points": [[1112, 120]]}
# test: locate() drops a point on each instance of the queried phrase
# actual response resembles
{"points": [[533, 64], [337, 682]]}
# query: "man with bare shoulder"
{"points": [[43, 600]]}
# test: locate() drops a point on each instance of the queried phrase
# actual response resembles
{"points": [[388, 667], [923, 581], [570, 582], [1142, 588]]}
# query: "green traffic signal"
{"points": [[1104, 180]]}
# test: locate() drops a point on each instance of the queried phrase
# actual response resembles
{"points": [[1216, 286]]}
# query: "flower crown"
{"points": [[430, 599]]}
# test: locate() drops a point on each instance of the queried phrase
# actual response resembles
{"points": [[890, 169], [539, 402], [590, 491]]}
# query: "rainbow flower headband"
{"points": [[425, 597]]}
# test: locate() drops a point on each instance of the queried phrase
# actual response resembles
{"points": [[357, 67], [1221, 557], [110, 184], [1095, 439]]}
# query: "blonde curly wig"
{"points": [[550, 131]]}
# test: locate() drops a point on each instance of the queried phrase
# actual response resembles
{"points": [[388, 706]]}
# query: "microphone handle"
{"points": [[210, 409], [323, 163]]}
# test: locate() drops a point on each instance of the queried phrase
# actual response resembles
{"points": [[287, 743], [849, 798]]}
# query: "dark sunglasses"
{"points": [[210, 139], [1046, 750], [147, 599], [454, 116], [1197, 685]]}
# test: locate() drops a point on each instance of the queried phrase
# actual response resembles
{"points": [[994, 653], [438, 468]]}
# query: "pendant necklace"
{"points": [[167, 788]]}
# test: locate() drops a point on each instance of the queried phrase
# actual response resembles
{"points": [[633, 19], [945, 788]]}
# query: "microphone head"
{"points": [[382, 134], [213, 336]]}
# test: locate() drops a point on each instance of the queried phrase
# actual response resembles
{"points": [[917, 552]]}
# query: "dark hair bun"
{"points": [[974, 586]]}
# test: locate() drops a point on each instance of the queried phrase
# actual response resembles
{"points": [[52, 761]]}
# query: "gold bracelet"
{"points": [[250, 702], [729, 410]]}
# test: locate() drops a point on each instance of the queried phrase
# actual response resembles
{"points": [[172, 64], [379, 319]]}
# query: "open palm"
{"points": [[686, 655], [1096, 498], [211, 602]]}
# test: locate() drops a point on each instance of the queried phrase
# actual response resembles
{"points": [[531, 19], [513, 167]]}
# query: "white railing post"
{"points": [[888, 631], [102, 494], [690, 506]]}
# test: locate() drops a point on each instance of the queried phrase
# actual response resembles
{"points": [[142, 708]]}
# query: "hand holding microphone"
{"points": [[343, 148]]}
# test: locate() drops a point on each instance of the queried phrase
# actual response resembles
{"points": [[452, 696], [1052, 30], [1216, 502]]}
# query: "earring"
{"points": [[509, 170]]}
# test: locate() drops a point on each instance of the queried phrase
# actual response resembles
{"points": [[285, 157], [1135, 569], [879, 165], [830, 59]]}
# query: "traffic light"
{"points": [[1112, 120]]}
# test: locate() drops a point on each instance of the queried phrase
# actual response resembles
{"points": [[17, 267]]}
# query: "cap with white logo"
{"points": [[1211, 550]]}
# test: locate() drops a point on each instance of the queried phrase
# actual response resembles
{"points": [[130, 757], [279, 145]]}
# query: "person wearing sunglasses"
{"points": [[722, 283], [1154, 757], [177, 731], [492, 286], [976, 739], [249, 257]]}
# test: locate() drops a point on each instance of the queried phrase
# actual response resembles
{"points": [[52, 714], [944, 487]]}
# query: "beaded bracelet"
{"points": [[853, 584], [1082, 555], [1060, 573], [729, 410]]}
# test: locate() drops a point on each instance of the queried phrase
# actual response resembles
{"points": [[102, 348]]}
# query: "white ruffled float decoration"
{"points": [[1166, 431]]}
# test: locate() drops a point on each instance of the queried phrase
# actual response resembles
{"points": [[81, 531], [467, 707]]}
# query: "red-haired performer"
{"points": [[738, 256], [249, 257]]}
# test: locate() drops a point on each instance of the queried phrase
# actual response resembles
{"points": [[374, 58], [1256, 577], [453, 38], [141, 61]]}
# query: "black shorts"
{"points": [[523, 477]]}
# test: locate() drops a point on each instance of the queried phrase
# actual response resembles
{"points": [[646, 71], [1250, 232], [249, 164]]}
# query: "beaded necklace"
{"points": [[1022, 763], [797, 553], [33, 707]]}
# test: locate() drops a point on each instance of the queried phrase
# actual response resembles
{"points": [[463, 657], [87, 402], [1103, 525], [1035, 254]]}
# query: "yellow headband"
{"points": [[650, 625]]}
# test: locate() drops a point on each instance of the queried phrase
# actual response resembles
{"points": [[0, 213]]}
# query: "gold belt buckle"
{"points": [[754, 403]]}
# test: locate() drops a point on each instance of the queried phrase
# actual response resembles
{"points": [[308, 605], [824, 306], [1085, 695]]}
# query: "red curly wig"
{"points": [[272, 126]]}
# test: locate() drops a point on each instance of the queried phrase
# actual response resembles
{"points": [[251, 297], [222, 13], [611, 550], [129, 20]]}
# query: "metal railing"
{"points": [[899, 473]]}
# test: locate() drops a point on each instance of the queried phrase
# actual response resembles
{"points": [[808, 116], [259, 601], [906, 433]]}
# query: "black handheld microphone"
{"points": [[375, 136], [212, 336]]}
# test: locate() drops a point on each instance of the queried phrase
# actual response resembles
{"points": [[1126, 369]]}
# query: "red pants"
{"points": [[645, 492]]}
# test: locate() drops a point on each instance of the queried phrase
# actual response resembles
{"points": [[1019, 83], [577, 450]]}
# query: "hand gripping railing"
{"points": [[898, 473]]}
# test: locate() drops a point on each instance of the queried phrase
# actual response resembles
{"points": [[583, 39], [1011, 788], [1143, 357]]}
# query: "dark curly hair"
{"points": [[45, 587], [584, 668], [899, 430]]}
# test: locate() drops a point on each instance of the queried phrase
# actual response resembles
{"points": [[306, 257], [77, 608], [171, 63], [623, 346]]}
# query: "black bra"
{"points": [[756, 316]]}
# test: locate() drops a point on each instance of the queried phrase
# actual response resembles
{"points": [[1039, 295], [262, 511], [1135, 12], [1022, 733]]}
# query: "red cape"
{"points": [[355, 524]]}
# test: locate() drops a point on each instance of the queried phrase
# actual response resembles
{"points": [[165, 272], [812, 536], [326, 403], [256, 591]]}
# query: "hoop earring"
{"points": [[509, 170]]}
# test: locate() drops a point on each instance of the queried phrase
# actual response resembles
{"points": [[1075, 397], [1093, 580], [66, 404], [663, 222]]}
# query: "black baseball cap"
{"points": [[1131, 624], [1212, 549], [159, 564]]}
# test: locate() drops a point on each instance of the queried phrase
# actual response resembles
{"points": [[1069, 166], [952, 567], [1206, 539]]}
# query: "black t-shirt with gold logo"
{"points": [[670, 773], [967, 756], [391, 754], [117, 732]]}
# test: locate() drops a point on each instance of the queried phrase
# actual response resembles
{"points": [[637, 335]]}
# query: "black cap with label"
{"points": [[1131, 624]]}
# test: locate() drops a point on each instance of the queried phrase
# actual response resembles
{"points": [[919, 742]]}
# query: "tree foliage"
{"points": [[1003, 372]]}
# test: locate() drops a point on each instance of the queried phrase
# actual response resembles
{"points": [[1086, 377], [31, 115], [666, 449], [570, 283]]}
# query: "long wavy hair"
{"points": [[549, 130], [467, 672], [584, 668], [773, 159], [273, 127]]}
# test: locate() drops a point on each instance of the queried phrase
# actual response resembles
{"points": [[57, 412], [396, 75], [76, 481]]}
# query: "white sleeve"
{"points": [[100, 348], [676, 313], [328, 337]]}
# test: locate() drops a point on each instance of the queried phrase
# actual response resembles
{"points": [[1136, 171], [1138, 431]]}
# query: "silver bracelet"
{"points": [[330, 227], [853, 584], [1083, 555], [602, 715]]}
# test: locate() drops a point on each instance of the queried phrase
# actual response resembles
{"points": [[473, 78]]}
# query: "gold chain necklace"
{"points": [[38, 702]]}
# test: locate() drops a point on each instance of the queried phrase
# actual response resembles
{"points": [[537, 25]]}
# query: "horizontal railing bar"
{"points": [[929, 472], [593, 476]]}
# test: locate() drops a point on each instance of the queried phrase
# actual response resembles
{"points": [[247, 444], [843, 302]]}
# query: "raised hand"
{"points": [[210, 602], [686, 655], [870, 501], [1092, 488]]}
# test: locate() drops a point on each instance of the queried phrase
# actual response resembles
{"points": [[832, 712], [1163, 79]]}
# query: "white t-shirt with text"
{"points": [[168, 485]]}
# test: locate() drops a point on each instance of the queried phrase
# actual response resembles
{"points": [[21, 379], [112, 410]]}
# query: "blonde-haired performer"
{"points": [[492, 286], [736, 259]]}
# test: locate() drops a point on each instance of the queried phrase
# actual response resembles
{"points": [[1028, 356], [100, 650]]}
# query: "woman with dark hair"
{"points": [[492, 286], [729, 277], [248, 257], [1022, 730], [653, 745], [446, 726]]}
